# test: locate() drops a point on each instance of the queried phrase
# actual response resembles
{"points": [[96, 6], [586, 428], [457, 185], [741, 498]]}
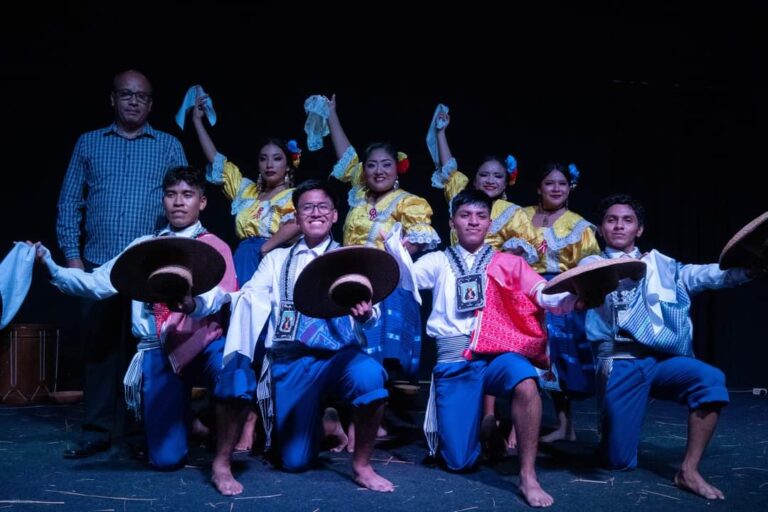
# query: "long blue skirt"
{"points": [[573, 365], [247, 258], [397, 334]]}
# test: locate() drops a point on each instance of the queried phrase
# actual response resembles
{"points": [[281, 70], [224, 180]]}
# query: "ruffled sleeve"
{"points": [[283, 207], [223, 172], [587, 246], [349, 169], [450, 179], [518, 233], [573, 239], [415, 214]]}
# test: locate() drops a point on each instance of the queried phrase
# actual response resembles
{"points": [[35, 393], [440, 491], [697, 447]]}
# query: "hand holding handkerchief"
{"points": [[189, 103]]}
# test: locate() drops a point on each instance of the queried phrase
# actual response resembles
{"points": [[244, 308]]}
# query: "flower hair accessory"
{"points": [[402, 163], [295, 151], [511, 165], [573, 172]]}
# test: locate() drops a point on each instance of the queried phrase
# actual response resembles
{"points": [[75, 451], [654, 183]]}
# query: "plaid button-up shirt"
{"points": [[115, 184]]}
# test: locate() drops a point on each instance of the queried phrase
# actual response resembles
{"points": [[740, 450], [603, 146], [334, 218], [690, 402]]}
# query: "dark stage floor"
{"points": [[35, 477]]}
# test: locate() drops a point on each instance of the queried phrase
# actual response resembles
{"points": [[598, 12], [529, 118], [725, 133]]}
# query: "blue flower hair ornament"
{"points": [[295, 150], [574, 174], [511, 165]]}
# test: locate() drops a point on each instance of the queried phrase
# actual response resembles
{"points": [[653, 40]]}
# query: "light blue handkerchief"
{"points": [[15, 279], [316, 126], [432, 133], [189, 102]]}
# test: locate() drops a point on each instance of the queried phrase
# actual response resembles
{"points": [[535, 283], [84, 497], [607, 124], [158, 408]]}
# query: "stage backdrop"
{"points": [[643, 100]]}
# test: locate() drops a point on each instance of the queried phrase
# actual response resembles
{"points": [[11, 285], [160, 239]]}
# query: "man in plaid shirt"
{"points": [[112, 193]]}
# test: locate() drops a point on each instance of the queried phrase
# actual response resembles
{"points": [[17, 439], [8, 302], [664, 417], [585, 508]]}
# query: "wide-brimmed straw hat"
{"points": [[595, 280], [748, 247], [332, 283], [165, 269]]}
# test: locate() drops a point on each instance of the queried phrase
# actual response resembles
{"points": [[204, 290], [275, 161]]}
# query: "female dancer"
{"points": [[376, 203], [263, 209], [511, 228], [567, 238]]}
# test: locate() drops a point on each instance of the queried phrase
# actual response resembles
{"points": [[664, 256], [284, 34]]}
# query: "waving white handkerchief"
{"points": [[316, 126], [432, 133], [15, 279], [189, 102]]}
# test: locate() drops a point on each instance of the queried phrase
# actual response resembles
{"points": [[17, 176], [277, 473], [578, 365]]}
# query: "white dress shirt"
{"points": [[97, 284], [258, 301], [659, 285], [433, 272]]}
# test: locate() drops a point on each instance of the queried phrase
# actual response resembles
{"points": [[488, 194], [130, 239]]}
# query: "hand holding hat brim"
{"points": [[749, 247], [167, 269], [593, 281], [330, 285]]}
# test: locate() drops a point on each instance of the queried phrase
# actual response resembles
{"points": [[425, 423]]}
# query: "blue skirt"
{"points": [[571, 355], [397, 334], [247, 258]]}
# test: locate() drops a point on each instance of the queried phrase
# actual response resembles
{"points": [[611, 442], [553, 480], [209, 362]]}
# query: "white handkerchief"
{"points": [[432, 133], [189, 102], [316, 126], [15, 279]]}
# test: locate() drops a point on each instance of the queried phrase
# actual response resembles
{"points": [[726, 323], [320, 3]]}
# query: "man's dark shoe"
{"points": [[85, 448]]}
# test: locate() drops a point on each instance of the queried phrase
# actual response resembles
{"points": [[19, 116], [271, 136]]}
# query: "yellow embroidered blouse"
{"points": [[569, 239], [510, 227], [252, 217], [365, 222]]}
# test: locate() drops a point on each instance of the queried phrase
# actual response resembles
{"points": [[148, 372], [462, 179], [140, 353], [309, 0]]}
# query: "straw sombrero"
{"points": [[594, 280], [165, 269], [332, 283], [748, 247]]}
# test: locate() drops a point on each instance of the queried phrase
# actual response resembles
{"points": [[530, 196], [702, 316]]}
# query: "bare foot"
{"points": [[559, 435], [368, 478], [512, 440], [200, 430], [224, 481], [246, 437], [534, 494], [351, 438], [693, 481], [490, 437], [332, 427]]}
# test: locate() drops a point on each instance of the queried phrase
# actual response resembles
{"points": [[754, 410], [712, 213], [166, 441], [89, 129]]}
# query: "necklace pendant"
{"points": [[372, 214]]}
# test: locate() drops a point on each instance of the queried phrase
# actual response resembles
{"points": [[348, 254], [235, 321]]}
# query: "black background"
{"points": [[667, 102]]}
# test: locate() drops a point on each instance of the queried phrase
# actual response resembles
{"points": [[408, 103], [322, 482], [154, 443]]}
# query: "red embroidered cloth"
{"points": [[511, 321]]}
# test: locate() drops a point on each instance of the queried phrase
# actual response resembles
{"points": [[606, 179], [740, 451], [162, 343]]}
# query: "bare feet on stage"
{"points": [[560, 435], [380, 434], [693, 481], [368, 478], [245, 443], [511, 441], [224, 480], [564, 430], [333, 428], [200, 430], [534, 494], [491, 438]]}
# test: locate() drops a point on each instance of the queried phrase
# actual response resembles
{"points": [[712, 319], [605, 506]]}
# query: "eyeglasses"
{"points": [[126, 95], [322, 208]]}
